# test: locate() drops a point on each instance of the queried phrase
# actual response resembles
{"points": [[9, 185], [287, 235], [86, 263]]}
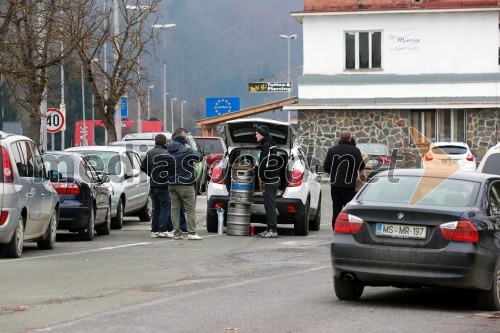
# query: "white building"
{"points": [[380, 68]]}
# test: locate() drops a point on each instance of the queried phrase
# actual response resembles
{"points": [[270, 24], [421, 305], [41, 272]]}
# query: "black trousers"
{"points": [[270, 205], [340, 197]]}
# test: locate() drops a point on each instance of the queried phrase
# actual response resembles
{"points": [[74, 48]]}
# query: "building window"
{"points": [[425, 123], [451, 125], [363, 50], [440, 125]]}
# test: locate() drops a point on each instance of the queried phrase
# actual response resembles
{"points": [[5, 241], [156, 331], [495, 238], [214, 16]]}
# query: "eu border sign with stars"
{"points": [[217, 106]]}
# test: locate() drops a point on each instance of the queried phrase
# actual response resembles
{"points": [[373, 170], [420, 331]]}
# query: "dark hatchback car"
{"points": [[421, 229], [380, 157], [83, 193]]}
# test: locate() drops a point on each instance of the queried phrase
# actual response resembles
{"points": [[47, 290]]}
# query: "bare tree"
{"points": [[110, 53], [31, 44]]}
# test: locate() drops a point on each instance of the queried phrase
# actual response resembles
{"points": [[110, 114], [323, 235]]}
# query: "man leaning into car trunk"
{"points": [[268, 175]]}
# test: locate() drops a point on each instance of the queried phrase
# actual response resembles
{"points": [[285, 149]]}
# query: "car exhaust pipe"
{"points": [[348, 277]]}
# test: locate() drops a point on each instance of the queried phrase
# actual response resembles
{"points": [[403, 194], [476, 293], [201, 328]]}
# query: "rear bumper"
{"points": [[459, 265], [285, 216], [73, 215]]}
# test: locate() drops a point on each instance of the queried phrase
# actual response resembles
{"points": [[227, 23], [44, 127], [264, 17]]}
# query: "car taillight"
{"points": [[295, 178], [3, 217], [384, 159], [428, 156], [347, 224], [460, 231], [8, 175], [66, 188], [470, 157], [218, 175]]}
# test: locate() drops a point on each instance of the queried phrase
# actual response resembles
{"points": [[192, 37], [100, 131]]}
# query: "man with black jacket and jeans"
{"points": [[343, 162], [268, 175], [155, 166]]}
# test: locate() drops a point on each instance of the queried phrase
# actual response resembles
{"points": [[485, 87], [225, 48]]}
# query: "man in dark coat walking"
{"points": [[268, 175], [343, 162]]}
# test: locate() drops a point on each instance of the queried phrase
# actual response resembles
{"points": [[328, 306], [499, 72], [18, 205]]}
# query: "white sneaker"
{"points": [[155, 234], [194, 237], [166, 234]]}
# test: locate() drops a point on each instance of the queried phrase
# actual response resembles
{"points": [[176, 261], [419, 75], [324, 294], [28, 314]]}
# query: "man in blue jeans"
{"points": [[155, 166]]}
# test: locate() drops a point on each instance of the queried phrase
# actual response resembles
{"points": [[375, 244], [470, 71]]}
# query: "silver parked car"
{"points": [[130, 185], [29, 204]]}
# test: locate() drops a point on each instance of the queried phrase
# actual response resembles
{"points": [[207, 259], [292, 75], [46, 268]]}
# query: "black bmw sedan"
{"points": [[83, 193], [421, 228]]}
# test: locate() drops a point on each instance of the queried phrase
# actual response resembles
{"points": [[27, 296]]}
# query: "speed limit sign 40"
{"points": [[55, 120]]}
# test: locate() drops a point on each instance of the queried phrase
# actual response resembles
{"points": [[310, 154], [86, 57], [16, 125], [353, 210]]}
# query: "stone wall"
{"points": [[483, 128], [319, 129]]}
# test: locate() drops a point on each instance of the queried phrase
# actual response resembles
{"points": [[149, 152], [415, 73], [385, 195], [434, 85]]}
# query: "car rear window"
{"points": [[421, 190], [374, 149], [213, 145], [492, 164], [449, 150]]}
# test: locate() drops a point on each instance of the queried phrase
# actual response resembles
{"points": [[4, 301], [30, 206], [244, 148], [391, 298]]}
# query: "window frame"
{"points": [[357, 54]]}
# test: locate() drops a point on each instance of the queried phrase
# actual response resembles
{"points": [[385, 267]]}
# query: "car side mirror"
{"points": [[206, 152], [319, 169], [105, 178], [132, 174]]}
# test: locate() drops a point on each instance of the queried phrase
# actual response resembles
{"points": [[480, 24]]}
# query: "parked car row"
{"points": [[85, 190]]}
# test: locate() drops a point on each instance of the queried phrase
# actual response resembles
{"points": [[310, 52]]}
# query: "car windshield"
{"points": [[213, 145], [104, 161], [373, 149], [449, 150], [421, 190]]}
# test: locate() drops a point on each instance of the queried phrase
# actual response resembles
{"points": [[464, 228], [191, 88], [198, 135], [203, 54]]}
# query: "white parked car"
{"points": [[130, 195], [491, 161], [298, 200], [450, 155]]}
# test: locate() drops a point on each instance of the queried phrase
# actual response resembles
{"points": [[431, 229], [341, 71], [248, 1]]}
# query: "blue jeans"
{"points": [[161, 208]]}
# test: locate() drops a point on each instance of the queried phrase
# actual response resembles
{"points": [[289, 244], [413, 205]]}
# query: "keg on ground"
{"points": [[238, 219], [240, 199]]}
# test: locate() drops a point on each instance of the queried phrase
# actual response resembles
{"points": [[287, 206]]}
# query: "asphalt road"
{"points": [[128, 282]]}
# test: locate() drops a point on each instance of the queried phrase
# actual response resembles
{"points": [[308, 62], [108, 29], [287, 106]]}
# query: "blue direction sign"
{"points": [[124, 108], [217, 106]]}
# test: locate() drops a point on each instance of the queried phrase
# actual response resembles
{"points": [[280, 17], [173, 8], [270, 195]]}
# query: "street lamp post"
{"points": [[288, 38], [164, 27], [182, 113], [149, 105], [172, 100], [84, 141]]}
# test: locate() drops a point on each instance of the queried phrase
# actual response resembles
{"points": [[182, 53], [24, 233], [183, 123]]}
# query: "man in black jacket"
{"points": [[155, 166], [268, 175], [181, 179], [343, 162]]}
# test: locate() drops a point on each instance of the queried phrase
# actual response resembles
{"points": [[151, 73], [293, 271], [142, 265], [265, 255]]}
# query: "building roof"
{"points": [[384, 5]]}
